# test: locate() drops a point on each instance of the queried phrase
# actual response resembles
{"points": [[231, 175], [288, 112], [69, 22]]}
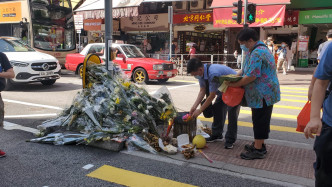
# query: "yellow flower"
{"points": [[117, 101], [126, 84], [90, 85], [165, 115]]}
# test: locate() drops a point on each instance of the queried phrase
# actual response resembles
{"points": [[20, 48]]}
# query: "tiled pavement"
{"points": [[280, 159]]}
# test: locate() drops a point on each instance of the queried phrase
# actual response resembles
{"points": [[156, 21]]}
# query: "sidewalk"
{"points": [[292, 164]]}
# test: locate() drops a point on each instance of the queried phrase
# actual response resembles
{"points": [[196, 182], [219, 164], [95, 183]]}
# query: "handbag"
{"points": [[208, 112], [304, 117], [233, 96]]}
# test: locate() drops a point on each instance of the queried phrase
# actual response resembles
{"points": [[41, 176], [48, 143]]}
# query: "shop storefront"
{"points": [[149, 32], [198, 29], [314, 25]]}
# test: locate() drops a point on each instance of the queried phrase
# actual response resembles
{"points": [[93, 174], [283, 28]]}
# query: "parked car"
{"points": [[131, 60], [29, 65]]}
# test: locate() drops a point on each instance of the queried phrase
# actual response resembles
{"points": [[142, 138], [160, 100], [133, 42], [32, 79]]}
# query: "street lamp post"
{"points": [[108, 34]]}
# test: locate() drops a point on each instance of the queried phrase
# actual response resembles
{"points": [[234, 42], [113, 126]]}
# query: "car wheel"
{"points": [[80, 70], [9, 84], [162, 80], [140, 76], [48, 82]]}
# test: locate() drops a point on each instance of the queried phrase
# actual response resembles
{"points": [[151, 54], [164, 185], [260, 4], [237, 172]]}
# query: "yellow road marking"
{"points": [[286, 116], [293, 88], [130, 178], [288, 107], [293, 100], [286, 95], [283, 91], [247, 124]]}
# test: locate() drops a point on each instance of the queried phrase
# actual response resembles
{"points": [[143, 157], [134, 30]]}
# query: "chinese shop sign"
{"points": [[192, 18], [10, 12], [265, 16], [292, 17], [315, 16], [92, 24], [146, 22]]}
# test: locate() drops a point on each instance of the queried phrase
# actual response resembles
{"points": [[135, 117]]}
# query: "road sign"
{"points": [[78, 21], [78, 31]]}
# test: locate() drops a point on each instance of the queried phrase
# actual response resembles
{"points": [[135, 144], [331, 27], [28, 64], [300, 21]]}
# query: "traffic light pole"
{"points": [[245, 25]]}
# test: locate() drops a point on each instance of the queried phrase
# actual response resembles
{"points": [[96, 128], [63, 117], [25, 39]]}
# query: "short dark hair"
{"points": [[247, 34], [329, 33], [193, 65]]}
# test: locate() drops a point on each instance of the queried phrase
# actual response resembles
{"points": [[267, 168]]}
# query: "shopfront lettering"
{"points": [[149, 21], [192, 18], [10, 12], [315, 16], [265, 16]]}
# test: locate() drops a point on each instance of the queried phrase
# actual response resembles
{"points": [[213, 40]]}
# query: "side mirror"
{"points": [[122, 56]]}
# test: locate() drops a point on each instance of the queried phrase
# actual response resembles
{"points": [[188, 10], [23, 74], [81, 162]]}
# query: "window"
{"points": [[52, 25], [9, 45]]}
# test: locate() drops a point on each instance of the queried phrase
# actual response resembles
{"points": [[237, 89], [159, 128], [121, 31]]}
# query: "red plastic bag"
{"points": [[233, 96], [304, 117]]}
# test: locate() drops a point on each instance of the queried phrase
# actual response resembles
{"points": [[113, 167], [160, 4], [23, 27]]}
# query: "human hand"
{"points": [[313, 127], [192, 110], [196, 113]]}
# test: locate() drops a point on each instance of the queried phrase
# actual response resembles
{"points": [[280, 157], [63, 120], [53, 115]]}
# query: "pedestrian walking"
{"points": [[282, 60], [192, 51], [205, 74], [6, 71], [262, 89], [322, 127], [321, 49]]}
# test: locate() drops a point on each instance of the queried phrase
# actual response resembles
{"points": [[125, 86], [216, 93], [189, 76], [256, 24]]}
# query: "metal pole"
{"points": [[245, 25], [108, 34], [79, 42], [170, 20]]}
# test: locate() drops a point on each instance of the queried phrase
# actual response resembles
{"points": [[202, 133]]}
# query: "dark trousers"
{"points": [[220, 110], [323, 164], [261, 118]]}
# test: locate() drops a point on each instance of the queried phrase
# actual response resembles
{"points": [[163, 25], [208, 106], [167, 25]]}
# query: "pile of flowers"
{"points": [[110, 107]]}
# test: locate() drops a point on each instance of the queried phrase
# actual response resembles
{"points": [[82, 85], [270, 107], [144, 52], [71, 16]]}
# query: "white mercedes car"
{"points": [[29, 65]]}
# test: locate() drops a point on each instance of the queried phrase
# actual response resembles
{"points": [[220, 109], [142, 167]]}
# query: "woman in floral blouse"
{"points": [[262, 89]]}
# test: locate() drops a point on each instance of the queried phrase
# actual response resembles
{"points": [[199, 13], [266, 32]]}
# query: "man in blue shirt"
{"points": [[322, 127], [205, 74]]}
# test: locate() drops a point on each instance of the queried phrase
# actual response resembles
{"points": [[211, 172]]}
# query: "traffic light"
{"points": [[237, 11], [251, 15]]}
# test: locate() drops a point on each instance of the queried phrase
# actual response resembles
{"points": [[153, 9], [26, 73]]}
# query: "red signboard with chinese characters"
{"points": [[292, 17], [265, 16], [192, 18]]}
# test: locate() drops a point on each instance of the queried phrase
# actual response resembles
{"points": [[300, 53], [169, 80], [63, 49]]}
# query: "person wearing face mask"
{"points": [[262, 90], [205, 74], [282, 61]]}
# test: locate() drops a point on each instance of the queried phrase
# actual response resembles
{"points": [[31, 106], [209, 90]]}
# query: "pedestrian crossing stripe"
{"points": [[287, 107], [284, 91], [130, 178], [293, 100], [248, 124], [286, 116], [287, 95], [293, 88]]}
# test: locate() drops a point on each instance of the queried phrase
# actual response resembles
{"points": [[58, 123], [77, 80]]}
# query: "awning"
{"points": [[273, 15], [229, 3], [95, 9]]}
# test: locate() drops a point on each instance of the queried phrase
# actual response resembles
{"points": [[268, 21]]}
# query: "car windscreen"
{"points": [[13, 45], [132, 51]]}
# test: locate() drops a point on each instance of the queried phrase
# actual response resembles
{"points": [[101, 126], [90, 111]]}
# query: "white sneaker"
{"points": [[284, 73]]}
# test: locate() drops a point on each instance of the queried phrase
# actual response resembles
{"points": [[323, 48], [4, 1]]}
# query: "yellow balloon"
{"points": [[199, 141]]}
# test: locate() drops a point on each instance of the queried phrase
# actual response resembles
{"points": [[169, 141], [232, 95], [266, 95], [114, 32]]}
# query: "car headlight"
{"points": [[158, 67], [19, 64], [174, 66]]}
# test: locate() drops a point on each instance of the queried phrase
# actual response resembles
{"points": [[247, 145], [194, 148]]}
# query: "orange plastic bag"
{"points": [[233, 96], [304, 117]]}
